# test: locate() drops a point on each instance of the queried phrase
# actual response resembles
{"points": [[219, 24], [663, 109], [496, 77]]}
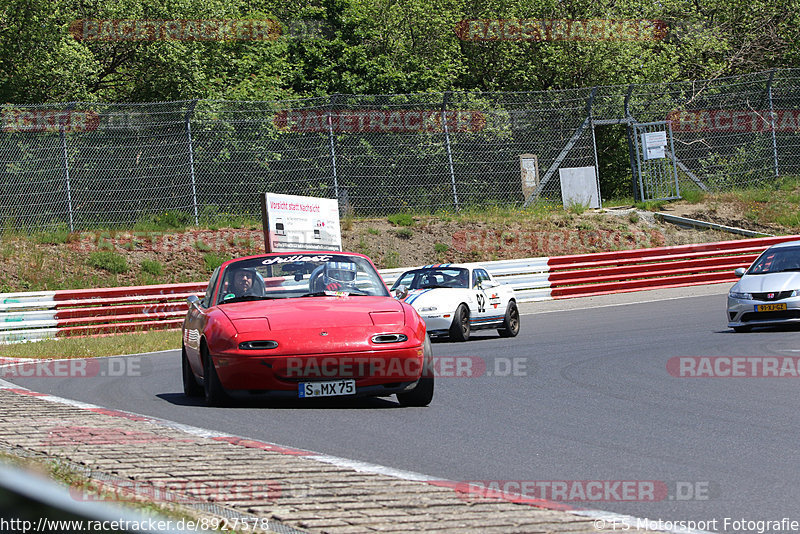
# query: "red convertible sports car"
{"points": [[304, 325]]}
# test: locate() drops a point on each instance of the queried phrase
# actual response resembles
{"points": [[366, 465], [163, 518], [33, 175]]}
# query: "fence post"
{"points": [[772, 122], [445, 97], [594, 143], [329, 120], [63, 133], [187, 121], [632, 147]]}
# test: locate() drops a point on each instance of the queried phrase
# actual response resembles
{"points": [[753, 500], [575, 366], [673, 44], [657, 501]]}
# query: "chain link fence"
{"points": [[82, 165]]}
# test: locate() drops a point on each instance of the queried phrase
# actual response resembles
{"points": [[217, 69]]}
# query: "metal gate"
{"points": [[655, 173]]}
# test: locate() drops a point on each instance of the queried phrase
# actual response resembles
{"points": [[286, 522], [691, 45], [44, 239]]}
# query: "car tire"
{"points": [[742, 329], [212, 388], [190, 386], [422, 394], [510, 322], [459, 329]]}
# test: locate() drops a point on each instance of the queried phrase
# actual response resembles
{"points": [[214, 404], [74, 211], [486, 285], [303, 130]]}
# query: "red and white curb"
{"points": [[601, 517]]}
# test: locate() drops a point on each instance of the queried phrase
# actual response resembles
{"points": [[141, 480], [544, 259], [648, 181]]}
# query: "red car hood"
{"points": [[313, 312]]}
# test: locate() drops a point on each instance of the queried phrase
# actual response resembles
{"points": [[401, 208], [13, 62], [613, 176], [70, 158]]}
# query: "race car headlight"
{"points": [[389, 338], [258, 345], [741, 296], [428, 309]]}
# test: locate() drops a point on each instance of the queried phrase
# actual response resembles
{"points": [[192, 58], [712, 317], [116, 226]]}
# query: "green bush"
{"points": [[109, 261], [401, 219]]}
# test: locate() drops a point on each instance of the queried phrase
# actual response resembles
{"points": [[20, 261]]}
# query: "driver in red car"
{"points": [[243, 282], [338, 275]]}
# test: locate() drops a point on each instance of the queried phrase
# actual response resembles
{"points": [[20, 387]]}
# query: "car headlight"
{"points": [[741, 296], [389, 338], [258, 345], [428, 309]]}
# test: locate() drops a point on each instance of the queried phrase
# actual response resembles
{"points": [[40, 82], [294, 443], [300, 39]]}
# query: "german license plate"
{"points": [[327, 389], [771, 307]]}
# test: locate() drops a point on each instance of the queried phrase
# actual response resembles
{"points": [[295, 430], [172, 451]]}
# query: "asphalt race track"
{"points": [[591, 400]]}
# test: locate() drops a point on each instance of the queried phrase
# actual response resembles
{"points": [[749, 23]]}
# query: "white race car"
{"points": [[454, 299]]}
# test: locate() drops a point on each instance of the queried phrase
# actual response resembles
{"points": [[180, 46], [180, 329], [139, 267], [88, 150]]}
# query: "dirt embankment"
{"points": [[102, 259]]}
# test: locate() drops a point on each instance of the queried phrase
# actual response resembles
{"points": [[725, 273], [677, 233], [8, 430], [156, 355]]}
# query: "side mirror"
{"points": [[488, 284], [740, 272], [193, 300], [400, 292]]}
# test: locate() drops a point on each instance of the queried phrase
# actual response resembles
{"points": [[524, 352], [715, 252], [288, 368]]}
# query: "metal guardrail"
{"points": [[703, 225], [42, 315]]}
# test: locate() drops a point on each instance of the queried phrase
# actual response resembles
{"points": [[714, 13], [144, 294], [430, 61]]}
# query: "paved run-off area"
{"points": [[288, 487]]}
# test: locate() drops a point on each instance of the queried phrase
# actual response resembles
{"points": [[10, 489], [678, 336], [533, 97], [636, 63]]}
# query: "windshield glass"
{"points": [[777, 260], [434, 277], [293, 275]]}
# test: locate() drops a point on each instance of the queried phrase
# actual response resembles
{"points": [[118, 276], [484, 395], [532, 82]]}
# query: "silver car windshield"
{"points": [[295, 275], [777, 260]]}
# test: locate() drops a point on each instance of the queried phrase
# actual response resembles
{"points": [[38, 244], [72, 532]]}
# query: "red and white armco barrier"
{"points": [[48, 314], [630, 270]]}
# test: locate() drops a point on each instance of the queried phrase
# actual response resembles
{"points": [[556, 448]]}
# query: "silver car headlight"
{"points": [[428, 309], [741, 296]]}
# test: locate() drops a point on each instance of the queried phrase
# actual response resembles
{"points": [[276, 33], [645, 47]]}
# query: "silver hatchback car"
{"points": [[769, 290]]}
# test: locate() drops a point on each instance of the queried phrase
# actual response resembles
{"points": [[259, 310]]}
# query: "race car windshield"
{"points": [[778, 260], [431, 278], [294, 275]]}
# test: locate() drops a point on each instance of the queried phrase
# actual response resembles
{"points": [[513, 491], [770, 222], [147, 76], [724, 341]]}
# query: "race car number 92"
{"points": [[327, 389]]}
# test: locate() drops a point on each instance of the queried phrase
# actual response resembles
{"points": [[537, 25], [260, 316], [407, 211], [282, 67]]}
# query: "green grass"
{"points": [[201, 246], [373, 231], [391, 260], [651, 205], [693, 196], [108, 261], [87, 347], [153, 267], [440, 248], [57, 236], [168, 220], [404, 233], [401, 219], [212, 260]]}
